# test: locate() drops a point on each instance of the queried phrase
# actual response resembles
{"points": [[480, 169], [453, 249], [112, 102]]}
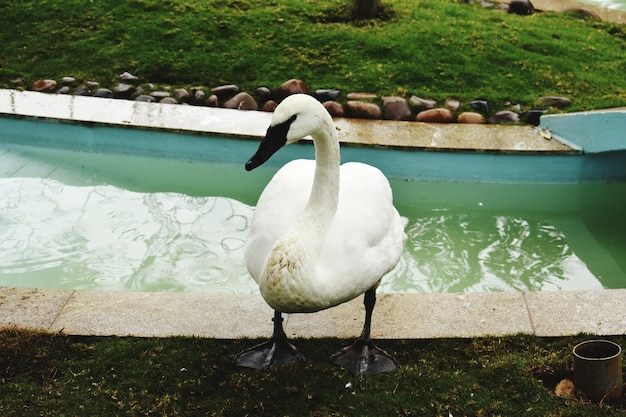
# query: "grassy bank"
{"points": [[432, 48], [55, 375]]}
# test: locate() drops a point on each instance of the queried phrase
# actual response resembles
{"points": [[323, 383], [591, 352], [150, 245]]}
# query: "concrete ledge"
{"points": [[397, 316]]}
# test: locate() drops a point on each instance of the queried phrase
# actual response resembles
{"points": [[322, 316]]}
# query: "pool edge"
{"points": [[230, 316]]}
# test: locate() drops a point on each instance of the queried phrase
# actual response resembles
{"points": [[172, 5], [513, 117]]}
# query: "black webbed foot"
{"points": [[268, 355], [275, 352], [363, 359]]}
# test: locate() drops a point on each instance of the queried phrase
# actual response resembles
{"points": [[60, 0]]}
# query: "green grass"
{"points": [[55, 375], [432, 48]]}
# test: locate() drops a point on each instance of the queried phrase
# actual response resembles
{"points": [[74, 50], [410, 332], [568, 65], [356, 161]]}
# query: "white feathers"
{"points": [[321, 235]]}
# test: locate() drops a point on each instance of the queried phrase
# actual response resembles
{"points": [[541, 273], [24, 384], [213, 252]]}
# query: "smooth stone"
{"points": [[64, 90], [361, 96], [269, 106], [521, 7], [145, 98], [480, 106], [199, 96], [242, 101], [471, 118], [168, 100], [224, 92], [533, 117], [160, 94], [181, 94], [264, 93], [92, 84], [44, 85], [68, 81], [212, 101], [334, 109], [396, 108], [363, 110], [327, 94], [82, 91], [422, 103], [293, 86], [128, 77], [123, 90], [438, 115], [504, 116], [103, 93], [453, 104], [556, 101]]}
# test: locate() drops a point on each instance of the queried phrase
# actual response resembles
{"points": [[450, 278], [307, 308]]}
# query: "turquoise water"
{"points": [[86, 220]]}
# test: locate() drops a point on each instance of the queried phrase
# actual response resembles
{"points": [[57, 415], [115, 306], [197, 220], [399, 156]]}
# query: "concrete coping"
{"points": [[253, 124], [396, 316], [232, 316]]}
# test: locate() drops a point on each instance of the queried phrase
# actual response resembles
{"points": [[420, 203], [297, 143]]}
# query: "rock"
{"points": [[92, 85], [225, 92], [242, 101], [123, 90], [453, 104], [292, 86], [438, 115], [471, 117], [363, 110], [263, 93], [199, 96], [103, 93], [128, 77], [44, 86], [168, 100], [361, 96], [327, 94], [565, 388], [556, 101], [159, 95], [145, 98], [82, 91], [396, 108], [181, 94], [334, 109], [64, 90], [480, 106], [270, 106], [212, 101], [422, 103], [68, 81], [521, 7], [533, 117], [504, 116]]}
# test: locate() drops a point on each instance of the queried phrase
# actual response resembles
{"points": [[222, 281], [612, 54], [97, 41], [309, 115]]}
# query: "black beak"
{"points": [[275, 138]]}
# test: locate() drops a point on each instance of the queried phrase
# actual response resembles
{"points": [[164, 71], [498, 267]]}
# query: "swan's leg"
{"points": [[363, 358], [275, 352]]}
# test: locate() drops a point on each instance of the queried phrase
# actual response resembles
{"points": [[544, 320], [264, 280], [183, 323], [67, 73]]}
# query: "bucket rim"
{"points": [[598, 341]]}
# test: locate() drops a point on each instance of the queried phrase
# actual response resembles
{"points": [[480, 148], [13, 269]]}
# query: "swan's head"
{"points": [[297, 116]]}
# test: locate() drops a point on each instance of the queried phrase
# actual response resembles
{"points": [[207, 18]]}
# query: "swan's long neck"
{"points": [[291, 274], [324, 196]]}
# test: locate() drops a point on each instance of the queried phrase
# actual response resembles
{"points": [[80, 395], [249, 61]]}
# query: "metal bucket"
{"points": [[598, 370]]}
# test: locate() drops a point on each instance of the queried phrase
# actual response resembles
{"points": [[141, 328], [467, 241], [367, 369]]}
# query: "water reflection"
{"points": [[460, 252], [105, 237]]}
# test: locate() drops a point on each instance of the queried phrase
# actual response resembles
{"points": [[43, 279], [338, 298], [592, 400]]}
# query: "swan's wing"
{"points": [[282, 200], [367, 236]]}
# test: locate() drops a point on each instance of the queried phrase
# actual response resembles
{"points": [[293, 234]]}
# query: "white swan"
{"points": [[321, 234]]}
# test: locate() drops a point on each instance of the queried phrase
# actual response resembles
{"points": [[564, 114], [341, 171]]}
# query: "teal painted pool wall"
{"points": [[591, 132], [396, 163]]}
